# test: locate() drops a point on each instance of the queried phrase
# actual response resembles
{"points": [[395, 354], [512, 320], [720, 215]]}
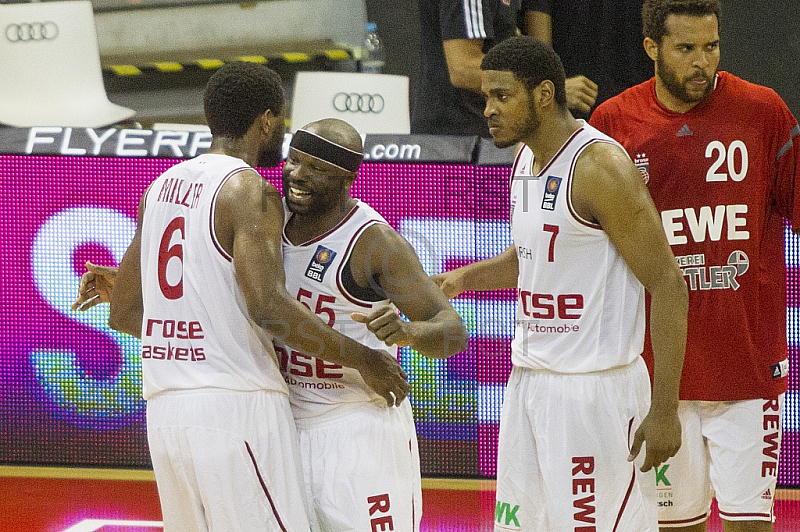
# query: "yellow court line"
{"points": [[210, 63], [125, 70], [76, 473], [168, 66]]}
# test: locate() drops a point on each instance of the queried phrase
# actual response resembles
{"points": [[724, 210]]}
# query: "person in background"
{"points": [[599, 42], [454, 36], [720, 157]]}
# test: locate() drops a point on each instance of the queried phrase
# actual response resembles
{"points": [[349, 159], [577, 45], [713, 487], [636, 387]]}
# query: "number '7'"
{"points": [[551, 229]]}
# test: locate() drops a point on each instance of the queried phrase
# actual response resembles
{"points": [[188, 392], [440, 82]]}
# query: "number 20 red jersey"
{"points": [[579, 307], [196, 332], [723, 176]]}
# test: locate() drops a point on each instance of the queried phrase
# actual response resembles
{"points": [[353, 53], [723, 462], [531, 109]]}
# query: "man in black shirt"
{"points": [[455, 34], [599, 42]]}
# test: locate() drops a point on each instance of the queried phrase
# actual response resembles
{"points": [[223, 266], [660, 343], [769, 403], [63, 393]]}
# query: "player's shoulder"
{"points": [[742, 91], [630, 101]]}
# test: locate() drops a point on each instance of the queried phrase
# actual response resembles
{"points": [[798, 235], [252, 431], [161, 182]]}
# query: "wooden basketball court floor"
{"points": [[34, 499]]}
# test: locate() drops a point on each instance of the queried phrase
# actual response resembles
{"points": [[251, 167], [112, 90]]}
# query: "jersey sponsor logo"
{"points": [[551, 193], [320, 262], [684, 131], [772, 438], [380, 518], [170, 352], [642, 163], [583, 486], [506, 515], [767, 495], [705, 224], [702, 277]]}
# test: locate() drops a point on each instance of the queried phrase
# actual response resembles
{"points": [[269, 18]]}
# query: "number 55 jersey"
{"points": [[723, 176]]}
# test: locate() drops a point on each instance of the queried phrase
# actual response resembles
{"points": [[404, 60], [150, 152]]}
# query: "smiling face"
{"points": [[509, 109], [313, 186], [686, 60]]}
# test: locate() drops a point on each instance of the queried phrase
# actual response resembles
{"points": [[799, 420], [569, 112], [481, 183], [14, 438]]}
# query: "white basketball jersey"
{"points": [[314, 275], [196, 331], [579, 306]]}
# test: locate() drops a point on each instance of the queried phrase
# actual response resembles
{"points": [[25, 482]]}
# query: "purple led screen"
{"points": [[70, 386]]}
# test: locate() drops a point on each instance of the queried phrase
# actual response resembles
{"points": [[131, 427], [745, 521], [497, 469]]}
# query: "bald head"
{"points": [[337, 131]]}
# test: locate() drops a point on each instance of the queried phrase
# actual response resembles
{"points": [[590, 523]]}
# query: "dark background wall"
{"points": [[760, 41]]}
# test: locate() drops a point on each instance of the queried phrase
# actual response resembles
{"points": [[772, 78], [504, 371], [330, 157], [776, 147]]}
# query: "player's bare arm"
{"points": [[127, 307], [248, 222], [495, 273], [463, 58], [608, 190], [384, 258]]}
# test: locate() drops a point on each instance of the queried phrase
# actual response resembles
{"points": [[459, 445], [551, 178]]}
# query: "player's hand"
{"points": [[387, 325], [662, 432], [581, 93], [96, 285], [450, 282], [383, 374]]}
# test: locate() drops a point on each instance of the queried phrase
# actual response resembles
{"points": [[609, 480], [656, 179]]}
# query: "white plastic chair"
{"points": [[50, 72], [372, 103]]}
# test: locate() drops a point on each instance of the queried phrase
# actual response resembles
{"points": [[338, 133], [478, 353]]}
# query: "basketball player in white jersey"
{"points": [[587, 242], [202, 285], [347, 264]]}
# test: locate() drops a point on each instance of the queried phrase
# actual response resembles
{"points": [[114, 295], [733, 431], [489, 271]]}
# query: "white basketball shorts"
{"points": [[563, 452], [226, 461], [731, 449], [362, 469]]}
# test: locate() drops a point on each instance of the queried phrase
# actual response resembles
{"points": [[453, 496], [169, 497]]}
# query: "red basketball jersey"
{"points": [[723, 176]]}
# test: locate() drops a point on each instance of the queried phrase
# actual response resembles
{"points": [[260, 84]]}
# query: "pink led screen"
{"points": [[70, 386]]}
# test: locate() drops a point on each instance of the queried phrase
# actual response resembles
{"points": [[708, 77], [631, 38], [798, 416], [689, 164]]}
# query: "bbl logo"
{"points": [[322, 258], [551, 193]]}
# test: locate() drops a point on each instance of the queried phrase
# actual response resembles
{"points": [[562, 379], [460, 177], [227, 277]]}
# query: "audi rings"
{"points": [[33, 31], [358, 103]]}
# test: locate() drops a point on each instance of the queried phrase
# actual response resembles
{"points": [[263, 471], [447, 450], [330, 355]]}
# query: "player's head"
{"points": [[323, 161], [522, 79], [682, 37], [242, 98]]}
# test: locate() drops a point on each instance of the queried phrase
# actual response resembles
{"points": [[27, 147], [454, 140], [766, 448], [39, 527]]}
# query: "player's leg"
{"points": [[744, 444], [181, 507], [520, 495], [363, 469], [241, 451], [588, 423], [683, 484]]}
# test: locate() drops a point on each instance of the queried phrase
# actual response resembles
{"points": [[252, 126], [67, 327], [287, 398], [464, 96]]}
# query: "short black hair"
{"points": [[531, 61], [655, 13], [237, 94]]}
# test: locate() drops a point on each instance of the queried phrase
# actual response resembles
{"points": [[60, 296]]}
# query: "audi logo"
{"points": [[33, 31], [358, 103]]}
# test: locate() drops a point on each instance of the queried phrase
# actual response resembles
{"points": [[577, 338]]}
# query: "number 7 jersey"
{"points": [[196, 330], [579, 307]]}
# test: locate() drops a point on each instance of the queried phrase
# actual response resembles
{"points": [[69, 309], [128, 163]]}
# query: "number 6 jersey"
{"points": [[579, 307], [196, 330]]}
